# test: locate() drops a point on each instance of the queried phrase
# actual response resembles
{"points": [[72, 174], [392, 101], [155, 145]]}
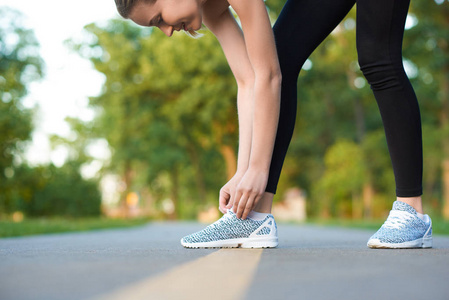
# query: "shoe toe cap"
{"points": [[373, 243]]}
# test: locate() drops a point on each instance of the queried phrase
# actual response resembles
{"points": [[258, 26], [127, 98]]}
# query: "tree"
{"points": [[344, 178], [20, 64]]}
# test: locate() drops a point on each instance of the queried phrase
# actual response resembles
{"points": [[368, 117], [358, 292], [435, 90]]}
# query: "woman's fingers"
{"points": [[229, 205], [241, 206], [236, 200], [223, 201], [231, 199], [247, 208], [246, 203]]}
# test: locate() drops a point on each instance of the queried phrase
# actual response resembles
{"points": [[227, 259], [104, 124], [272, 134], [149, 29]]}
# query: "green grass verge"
{"points": [[58, 225], [439, 226]]}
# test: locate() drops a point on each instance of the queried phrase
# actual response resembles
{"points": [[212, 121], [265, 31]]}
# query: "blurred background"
{"points": [[101, 119]]}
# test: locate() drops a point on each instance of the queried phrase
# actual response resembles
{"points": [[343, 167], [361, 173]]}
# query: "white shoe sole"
{"points": [[425, 242], [252, 242]]}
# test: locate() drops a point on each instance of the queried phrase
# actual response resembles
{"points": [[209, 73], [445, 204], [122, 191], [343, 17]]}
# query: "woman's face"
{"points": [[169, 15]]}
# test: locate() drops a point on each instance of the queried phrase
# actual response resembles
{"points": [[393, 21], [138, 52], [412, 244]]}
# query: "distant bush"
{"points": [[53, 191]]}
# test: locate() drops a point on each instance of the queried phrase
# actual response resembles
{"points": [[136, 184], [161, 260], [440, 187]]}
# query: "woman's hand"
{"points": [[226, 199], [249, 191]]}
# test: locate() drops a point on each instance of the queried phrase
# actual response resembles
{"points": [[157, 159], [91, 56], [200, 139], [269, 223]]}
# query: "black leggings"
{"points": [[303, 25]]}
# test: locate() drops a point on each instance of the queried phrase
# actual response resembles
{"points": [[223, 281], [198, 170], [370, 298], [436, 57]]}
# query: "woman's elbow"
{"points": [[245, 81], [276, 78]]}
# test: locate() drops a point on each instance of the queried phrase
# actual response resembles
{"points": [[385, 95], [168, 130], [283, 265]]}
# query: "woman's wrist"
{"points": [[260, 161], [259, 167], [240, 171]]}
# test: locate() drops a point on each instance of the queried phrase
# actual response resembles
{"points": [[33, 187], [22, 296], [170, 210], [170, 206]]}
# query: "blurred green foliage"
{"points": [[168, 111], [19, 64], [52, 191]]}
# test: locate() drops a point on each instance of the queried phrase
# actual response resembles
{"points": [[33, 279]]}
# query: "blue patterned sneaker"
{"points": [[403, 229], [231, 232]]}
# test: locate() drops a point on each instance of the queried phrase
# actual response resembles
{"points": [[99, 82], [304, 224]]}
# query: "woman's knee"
{"points": [[381, 70], [291, 56]]}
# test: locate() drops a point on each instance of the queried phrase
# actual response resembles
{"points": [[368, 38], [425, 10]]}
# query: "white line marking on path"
{"points": [[224, 274]]}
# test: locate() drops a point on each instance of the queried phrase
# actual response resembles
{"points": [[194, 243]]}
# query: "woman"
{"points": [[301, 27], [251, 54]]}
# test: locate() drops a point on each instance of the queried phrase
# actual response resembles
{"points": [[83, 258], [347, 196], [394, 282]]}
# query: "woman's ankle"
{"points": [[415, 202], [265, 203]]}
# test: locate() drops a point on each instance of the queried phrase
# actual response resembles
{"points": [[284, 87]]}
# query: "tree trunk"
{"points": [[127, 178], [230, 160], [357, 209], [368, 195], [325, 210], [227, 151], [175, 192], [199, 178], [359, 120], [444, 120]]}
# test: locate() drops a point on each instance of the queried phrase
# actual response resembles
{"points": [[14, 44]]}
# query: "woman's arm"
{"points": [[261, 49], [254, 51], [221, 22], [262, 54]]}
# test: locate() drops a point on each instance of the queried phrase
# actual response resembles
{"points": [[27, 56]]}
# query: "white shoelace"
{"points": [[398, 219]]}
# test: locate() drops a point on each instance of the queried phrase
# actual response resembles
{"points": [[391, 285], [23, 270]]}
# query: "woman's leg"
{"points": [[380, 28], [300, 28]]}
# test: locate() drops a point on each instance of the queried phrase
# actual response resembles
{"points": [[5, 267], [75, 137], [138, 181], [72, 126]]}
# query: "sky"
{"points": [[69, 79]]}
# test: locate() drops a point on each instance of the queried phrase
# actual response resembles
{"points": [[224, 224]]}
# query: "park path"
{"points": [[148, 262]]}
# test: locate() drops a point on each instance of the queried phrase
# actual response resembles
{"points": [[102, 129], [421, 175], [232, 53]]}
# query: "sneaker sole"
{"points": [[262, 242], [419, 243]]}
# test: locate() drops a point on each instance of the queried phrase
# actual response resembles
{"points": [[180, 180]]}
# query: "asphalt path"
{"points": [[148, 262]]}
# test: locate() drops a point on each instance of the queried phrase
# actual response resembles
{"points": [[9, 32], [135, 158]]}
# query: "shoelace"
{"points": [[398, 219]]}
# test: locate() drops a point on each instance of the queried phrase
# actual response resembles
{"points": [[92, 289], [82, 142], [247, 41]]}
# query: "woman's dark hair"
{"points": [[124, 7]]}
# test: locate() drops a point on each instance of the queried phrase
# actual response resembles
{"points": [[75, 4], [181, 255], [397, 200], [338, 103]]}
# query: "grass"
{"points": [[9, 228], [31, 226], [439, 226]]}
